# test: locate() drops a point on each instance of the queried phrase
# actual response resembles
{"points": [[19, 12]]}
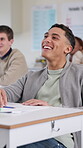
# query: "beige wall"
{"points": [[19, 13]]}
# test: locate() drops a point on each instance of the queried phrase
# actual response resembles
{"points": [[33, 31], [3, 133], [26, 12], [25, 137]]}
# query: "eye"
{"points": [[45, 36], [54, 37], [2, 39]]}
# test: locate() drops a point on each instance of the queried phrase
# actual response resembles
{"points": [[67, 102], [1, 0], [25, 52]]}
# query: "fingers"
{"points": [[3, 98], [35, 102], [30, 102]]}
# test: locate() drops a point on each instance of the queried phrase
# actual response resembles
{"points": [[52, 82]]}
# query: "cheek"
{"points": [[75, 49], [57, 48], [10, 43], [42, 42]]}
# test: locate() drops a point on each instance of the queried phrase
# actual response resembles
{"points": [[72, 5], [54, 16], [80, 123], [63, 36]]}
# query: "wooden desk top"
{"points": [[35, 116]]}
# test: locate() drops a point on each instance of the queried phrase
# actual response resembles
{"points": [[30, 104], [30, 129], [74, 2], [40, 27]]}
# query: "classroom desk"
{"points": [[34, 125]]}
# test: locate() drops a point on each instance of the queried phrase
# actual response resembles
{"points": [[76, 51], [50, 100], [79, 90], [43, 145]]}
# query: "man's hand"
{"points": [[35, 102], [3, 98]]}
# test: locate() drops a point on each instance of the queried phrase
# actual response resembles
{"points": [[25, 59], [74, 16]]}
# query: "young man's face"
{"points": [[5, 44], [55, 45]]}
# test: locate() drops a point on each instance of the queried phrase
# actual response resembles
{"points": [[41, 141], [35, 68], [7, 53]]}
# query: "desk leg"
{"points": [[10, 142], [6, 139]]}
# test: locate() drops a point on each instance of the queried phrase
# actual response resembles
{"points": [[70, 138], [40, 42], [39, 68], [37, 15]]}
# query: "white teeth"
{"points": [[47, 47]]}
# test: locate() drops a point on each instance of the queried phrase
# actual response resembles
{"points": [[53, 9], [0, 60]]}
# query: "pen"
{"points": [[6, 112], [8, 107]]}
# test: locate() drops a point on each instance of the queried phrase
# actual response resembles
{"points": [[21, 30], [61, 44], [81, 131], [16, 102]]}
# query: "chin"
{"points": [[43, 55]]}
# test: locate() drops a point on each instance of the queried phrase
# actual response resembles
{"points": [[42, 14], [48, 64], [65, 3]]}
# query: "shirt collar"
{"points": [[7, 54]]}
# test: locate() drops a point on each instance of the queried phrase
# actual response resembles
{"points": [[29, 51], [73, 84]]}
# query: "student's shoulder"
{"points": [[77, 67], [16, 54], [16, 51]]}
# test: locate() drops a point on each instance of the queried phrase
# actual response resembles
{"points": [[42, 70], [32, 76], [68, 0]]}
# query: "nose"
{"points": [[48, 39]]}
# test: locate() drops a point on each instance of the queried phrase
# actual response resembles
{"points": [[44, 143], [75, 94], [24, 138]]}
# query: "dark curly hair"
{"points": [[68, 33]]}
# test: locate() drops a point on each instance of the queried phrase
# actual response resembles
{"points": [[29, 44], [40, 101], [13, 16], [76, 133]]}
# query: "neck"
{"points": [[55, 65]]}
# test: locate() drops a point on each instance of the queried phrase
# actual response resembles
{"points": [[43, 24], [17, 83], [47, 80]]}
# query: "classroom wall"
{"points": [[18, 14]]}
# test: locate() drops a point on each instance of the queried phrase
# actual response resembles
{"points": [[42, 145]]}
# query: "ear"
{"points": [[68, 49], [11, 41]]}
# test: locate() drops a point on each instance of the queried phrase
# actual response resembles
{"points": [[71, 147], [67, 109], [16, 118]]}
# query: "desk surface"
{"points": [[30, 115]]}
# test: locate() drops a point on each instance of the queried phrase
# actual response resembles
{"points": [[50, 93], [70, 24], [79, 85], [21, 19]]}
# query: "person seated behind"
{"points": [[76, 56], [60, 83], [12, 62]]}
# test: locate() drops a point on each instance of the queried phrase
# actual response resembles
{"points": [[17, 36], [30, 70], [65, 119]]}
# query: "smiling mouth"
{"points": [[47, 47]]}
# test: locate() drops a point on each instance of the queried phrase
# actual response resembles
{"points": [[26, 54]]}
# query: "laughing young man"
{"points": [[60, 83]]}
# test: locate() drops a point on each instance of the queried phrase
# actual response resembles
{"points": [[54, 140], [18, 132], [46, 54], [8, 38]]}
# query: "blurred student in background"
{"points": [[76, 56], [12, 61]]}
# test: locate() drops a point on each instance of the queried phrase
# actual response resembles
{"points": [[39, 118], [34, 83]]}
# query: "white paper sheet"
{"points": [[19, 108]]}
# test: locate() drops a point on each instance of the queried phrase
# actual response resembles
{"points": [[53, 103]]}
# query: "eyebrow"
{"points": [[53, 34], [46, 33], [56, 34]]}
